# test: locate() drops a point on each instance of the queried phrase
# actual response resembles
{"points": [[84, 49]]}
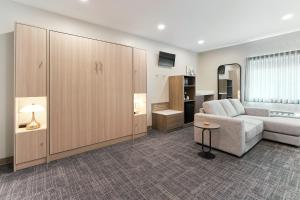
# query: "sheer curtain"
{"points": [[274, 78]]}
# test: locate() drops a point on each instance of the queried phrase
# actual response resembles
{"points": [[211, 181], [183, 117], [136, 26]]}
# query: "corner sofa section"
{"points": [[242, 128]]}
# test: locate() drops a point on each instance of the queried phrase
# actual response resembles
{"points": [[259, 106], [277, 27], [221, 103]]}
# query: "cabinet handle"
{"points": [[101, 67], [96, 67], [40, 65]]}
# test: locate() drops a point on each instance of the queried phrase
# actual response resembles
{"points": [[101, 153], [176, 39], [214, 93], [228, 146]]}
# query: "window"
{"points": [[274, 78]]}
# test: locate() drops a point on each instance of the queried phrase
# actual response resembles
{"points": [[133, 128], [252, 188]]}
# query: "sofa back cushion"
{"points": [[228, 107], [238, 106], [214, 107]]}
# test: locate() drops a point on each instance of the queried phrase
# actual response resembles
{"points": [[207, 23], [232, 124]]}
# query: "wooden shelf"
{"points": [[139, 114], [24, 130], [179, 88]]}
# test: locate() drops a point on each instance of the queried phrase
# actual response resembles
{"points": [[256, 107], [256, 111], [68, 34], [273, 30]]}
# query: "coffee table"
{"points": [[206, 127]]}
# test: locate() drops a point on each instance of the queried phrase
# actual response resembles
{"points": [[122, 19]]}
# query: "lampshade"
{"points": [[32, 108]]}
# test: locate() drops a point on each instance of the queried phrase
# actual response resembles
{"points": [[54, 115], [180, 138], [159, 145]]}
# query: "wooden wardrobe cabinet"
{"points": [[73, 75], [118, 92], [31, 61], [87, 88], [30, 87], [91, 92]]}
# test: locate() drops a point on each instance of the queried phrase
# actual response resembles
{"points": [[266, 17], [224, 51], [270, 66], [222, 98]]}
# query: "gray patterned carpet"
{"points": [[161, 166]]}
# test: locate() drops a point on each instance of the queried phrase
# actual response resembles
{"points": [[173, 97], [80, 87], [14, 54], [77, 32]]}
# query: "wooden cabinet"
{"points": [[88, 87], [182, 90], [118, 93], [30, 146], [167, 120], [176, 92], [140, 123], [91, 92], [140, 70], [73, 87], [31, 61]]}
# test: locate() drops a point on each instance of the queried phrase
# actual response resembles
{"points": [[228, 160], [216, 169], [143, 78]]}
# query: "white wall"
{"points": [[210, 61], [11, 12]]}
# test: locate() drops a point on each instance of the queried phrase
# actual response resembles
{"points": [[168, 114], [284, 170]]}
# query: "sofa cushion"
{"points": [[283, 125], [238, 106], [214, 107], [228, 107], [253, 127], [287, 126]]}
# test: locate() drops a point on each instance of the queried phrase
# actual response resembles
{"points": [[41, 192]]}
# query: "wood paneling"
{"points": [[24, 165], [140, 70], [30, 61], [118, 95], [92, 147], [140, 124], [30, 146], [89, 85], [73, 96], [159, 106], [90, 92], [167, 123], [176, 92], [97, 88]]}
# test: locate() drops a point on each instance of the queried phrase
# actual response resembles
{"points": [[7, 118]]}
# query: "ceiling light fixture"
{"points": [[201, 42], [161, 27], [287, 16], [84, 1]]}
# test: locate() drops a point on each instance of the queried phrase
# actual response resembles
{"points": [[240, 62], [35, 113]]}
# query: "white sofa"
{"points": [[242, 128]]}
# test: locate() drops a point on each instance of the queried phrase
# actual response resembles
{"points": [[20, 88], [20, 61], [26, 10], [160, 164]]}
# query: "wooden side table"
{"points": [[204, 127]]}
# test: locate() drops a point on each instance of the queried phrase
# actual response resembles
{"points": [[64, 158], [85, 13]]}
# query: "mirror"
{"points": [[229, 81]]}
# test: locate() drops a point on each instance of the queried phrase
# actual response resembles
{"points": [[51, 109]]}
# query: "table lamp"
{"points": [[33, 108]]}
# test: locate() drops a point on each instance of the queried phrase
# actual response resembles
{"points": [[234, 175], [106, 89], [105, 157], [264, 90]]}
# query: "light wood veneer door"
{"points": [[176, 93], [73, 92], [30, 146], [118, 95], [140, 70], [98, 91], [31, 65], [140, 124]]}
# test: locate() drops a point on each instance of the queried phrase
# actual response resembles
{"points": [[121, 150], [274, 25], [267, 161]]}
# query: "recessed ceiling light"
{"points": [[201, 42], [84, 1], [161, 27], [287, 16]]}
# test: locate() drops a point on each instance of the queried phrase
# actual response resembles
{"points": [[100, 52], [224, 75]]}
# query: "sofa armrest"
{"points": [[260, 112], [230, 137], [231, 125]]}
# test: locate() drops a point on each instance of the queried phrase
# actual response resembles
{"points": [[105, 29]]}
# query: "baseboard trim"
{"points": [[30, 164], [6, 161], [61, 155]]}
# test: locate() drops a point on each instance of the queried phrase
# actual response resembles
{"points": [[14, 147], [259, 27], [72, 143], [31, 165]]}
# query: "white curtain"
{"points": [[274, 78]]}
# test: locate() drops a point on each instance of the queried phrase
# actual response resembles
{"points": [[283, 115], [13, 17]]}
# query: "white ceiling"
{"points": [[219, 22]]}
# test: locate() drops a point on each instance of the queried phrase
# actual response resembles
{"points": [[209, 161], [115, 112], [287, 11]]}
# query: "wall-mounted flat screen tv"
{"points": [[166, 59]]}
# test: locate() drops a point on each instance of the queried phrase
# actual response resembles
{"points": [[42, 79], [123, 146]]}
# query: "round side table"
{"points": [[205, 128]]}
